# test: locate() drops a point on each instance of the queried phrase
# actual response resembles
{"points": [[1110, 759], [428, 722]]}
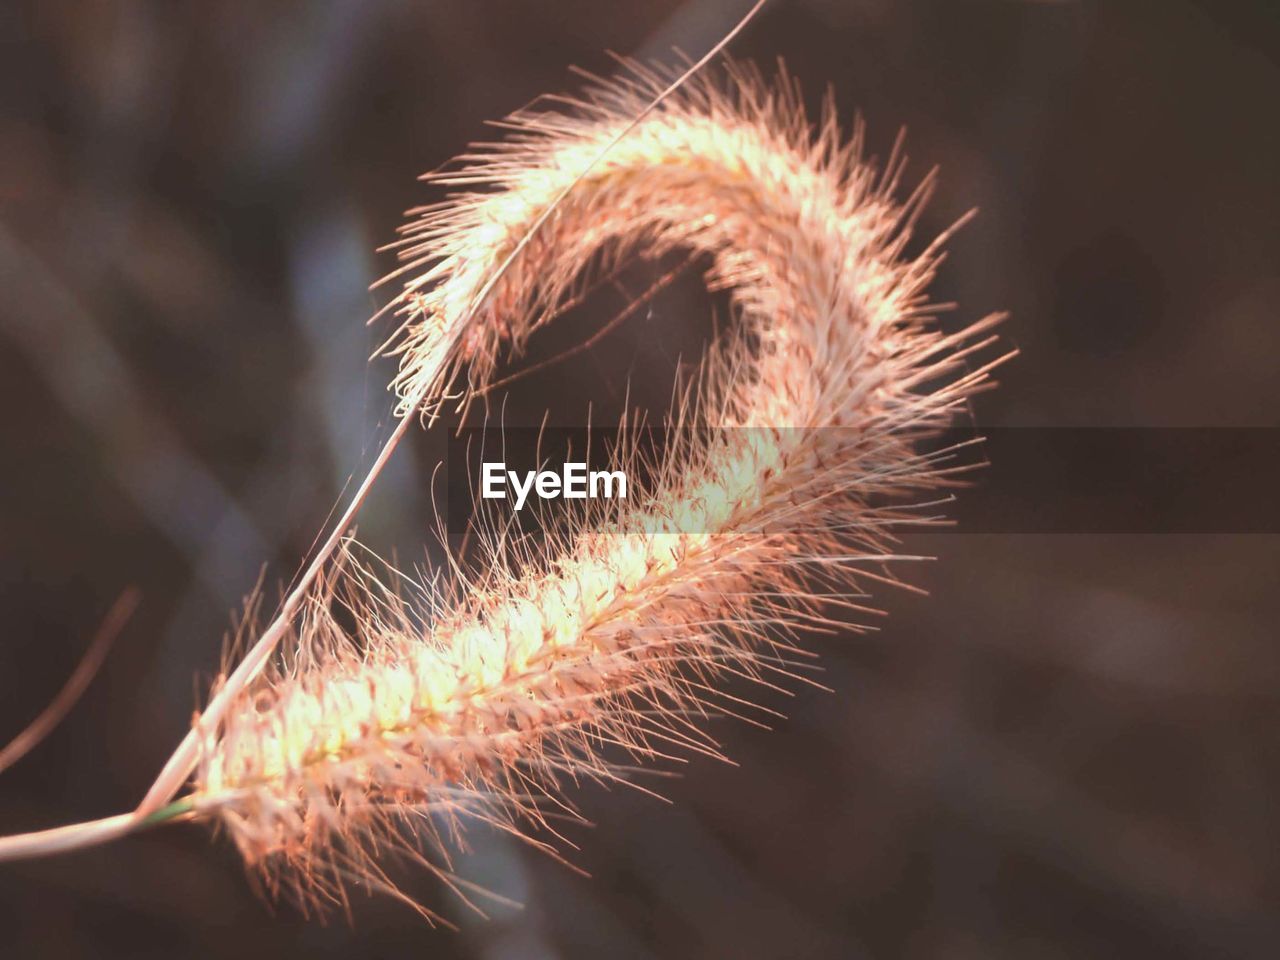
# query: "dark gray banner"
{"points": [[1022, 480]]}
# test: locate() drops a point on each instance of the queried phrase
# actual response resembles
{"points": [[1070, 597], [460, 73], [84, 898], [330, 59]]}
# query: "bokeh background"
{"points": [[1069, 749]]}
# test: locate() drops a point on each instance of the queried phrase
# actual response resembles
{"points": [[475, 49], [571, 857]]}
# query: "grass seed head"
{"points": [[407, 712]]}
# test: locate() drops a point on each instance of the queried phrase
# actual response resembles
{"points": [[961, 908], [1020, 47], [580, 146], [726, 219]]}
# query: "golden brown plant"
{"points": [[403, 709], [484, 701]]}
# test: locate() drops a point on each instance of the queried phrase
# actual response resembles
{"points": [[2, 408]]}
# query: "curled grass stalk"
{"points": [[403, 709]]}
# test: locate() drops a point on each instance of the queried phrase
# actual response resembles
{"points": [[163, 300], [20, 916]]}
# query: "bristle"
{"points": [[608, 639]]}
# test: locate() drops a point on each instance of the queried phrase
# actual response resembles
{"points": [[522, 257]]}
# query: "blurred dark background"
{"points": [[1069, 749]]}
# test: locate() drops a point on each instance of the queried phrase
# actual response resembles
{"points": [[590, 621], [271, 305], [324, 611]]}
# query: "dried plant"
{"points": [[404, 708]]}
